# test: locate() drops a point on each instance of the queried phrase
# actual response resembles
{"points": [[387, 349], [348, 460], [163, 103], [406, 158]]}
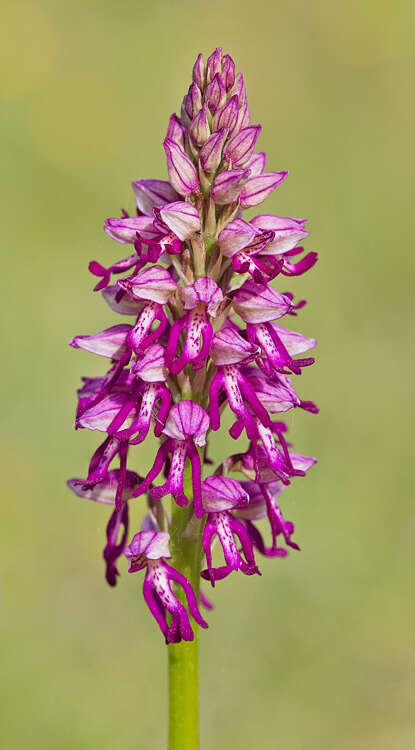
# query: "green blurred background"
{"points": [[319, 652]]}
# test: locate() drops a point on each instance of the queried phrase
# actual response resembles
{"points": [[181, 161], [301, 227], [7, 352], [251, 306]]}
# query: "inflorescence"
{"points": [[204, 337]]}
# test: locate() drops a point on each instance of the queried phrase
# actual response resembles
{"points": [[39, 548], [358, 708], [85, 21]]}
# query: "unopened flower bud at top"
{"points": [[199, 71], [213, 64], [228, 72], [176, 130], [211, 153], [193, 100], [199, 129], [215, 94]]}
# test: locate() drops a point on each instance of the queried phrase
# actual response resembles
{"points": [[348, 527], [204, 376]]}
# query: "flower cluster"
{"points": [[203, 335]]}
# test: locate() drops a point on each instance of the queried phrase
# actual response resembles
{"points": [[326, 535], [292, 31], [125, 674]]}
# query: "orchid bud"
{"points": [[227, 116], [211, 153], [199, 129], [176, 130], [193, 101], [199, 72], [182, 173], [213, 64], [228, 72], [228, 185], [240, 90], [240, 147], [215, 94]]}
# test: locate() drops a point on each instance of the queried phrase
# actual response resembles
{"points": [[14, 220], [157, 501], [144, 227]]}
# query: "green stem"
{"points": [[185, 546]]}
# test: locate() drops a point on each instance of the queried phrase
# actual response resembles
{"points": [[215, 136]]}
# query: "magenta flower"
{"points": [[148, 549], [202, 338]]}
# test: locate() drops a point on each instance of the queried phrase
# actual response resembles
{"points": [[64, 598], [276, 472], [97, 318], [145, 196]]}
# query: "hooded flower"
{"points": [[149, 550]]}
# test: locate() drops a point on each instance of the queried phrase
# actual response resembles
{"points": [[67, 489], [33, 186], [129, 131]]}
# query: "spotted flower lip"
{"points": [[205, 342], [225, 526], [260, 303], [150, 193], [111, 343], [148, 550], [154, 284]]}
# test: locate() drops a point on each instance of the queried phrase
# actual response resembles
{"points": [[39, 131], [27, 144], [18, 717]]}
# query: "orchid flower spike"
{"points": [[203, 339]]}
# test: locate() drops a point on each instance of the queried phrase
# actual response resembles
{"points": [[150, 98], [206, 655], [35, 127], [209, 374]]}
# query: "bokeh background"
{"points": [[319, 652]]}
